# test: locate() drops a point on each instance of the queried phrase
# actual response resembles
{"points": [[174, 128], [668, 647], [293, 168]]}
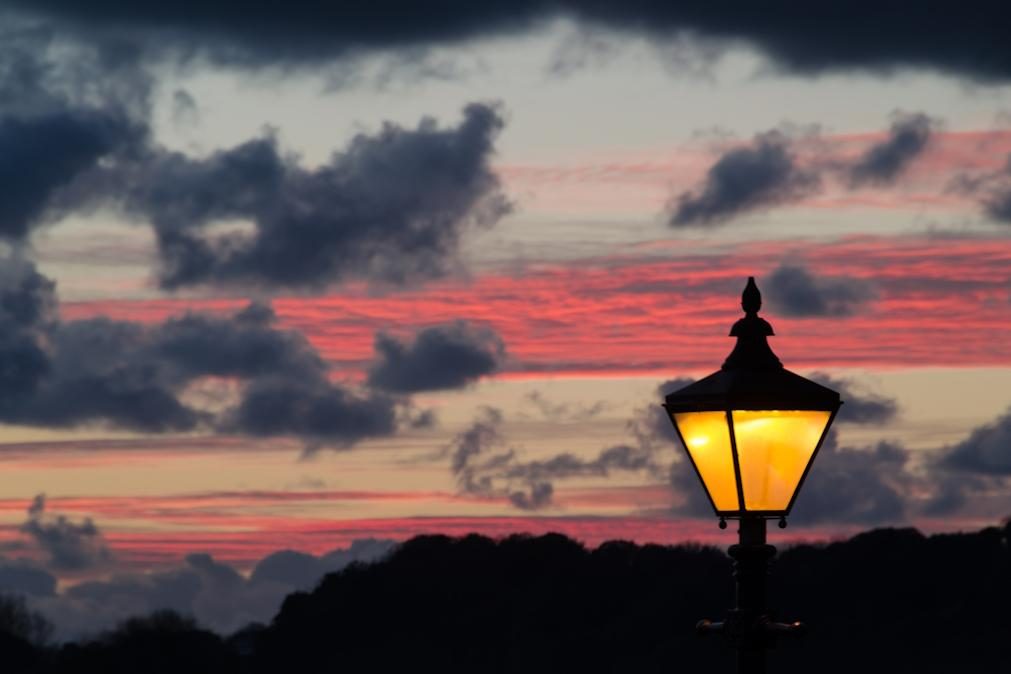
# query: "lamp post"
{"points": [[751, 432]]}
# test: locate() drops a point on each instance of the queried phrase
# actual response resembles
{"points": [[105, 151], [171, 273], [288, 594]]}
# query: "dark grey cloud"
{"points": [[952, 492], [64, 109], [40, 155], [997, 195], [668, 386], [991, 188], [795, 291], [44, 71], [68, 545], [998, 205], [484, 466], [745, 179], [652, 423], [439, 357], [130, 375], [883, 163], [300, 570], [859, 405], [92, 376], [213, 593], [303, 571], [391, 207], [25, 578], [539, 476], [797, 36], [317, 411], [855, 485], [472, 446], [971, 477], [987, 450]]}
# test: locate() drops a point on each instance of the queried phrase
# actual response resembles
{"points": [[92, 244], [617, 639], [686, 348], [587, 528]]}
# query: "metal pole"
{"points": [[748, 621], [749, 626]]}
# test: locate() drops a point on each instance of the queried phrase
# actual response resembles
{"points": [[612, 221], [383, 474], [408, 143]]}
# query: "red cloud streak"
{"points": [[940, 301]]}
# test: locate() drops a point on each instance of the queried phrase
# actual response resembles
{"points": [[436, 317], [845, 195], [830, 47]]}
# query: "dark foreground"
{"points": [[888, 600]]}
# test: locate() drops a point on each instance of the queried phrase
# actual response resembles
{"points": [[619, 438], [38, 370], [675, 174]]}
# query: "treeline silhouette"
{"points": [[885, 600]]}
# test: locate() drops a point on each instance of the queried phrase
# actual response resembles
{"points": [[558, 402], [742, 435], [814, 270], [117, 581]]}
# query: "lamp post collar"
{"points": [[752, 351]]}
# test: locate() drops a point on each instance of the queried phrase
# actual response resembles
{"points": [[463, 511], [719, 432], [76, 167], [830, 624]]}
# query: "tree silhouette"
{"points": [[888, 599]]}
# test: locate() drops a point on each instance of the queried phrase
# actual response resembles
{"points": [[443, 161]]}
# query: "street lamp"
{"points": [[751, 432]]}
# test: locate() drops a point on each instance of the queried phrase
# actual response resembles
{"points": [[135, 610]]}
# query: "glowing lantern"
{"points": [[752, 429]]}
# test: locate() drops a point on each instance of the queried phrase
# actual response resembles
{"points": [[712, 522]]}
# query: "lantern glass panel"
{"points": [[707, 438], [774, 448]]}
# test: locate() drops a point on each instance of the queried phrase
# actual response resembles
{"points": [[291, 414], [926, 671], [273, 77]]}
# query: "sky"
{"points": [[279, 288]]}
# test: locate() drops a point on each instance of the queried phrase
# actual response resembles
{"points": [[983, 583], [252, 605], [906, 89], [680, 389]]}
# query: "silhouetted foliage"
{"points": [[889, 599], [163, 642], [16, 620]]}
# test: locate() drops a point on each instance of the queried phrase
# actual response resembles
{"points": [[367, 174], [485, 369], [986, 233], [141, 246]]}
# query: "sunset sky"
{"points": [[287, 281]]}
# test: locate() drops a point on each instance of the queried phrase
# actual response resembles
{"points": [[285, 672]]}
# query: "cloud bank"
{"points": [[796, 36], [140, 376], [213, 593]]}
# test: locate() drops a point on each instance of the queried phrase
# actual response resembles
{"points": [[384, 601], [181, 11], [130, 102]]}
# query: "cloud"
{"points": [[212, 592], [987, 450], [745, 179], [20, 577], [972, 476], [319, 412], [303, 571], [796, 36], [883, 163], [64, 109], [859, 406], [391, 207], [40, 155], [794, 291], [652, 422], [992, 188], [484, 467], [439, 357], [997, 199], [136, 376], [69, 546], [300, 570], [998, 206], [564, 411], [855, 485]]}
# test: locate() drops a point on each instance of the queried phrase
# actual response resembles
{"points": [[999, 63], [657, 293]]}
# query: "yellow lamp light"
{"points": [[751, 430]]}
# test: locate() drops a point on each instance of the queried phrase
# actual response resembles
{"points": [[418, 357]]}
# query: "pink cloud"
{"points": [[940, 301]]}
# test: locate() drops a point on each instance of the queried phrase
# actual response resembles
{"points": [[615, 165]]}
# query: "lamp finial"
{"points": [[751, 298], [752, 351]]}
